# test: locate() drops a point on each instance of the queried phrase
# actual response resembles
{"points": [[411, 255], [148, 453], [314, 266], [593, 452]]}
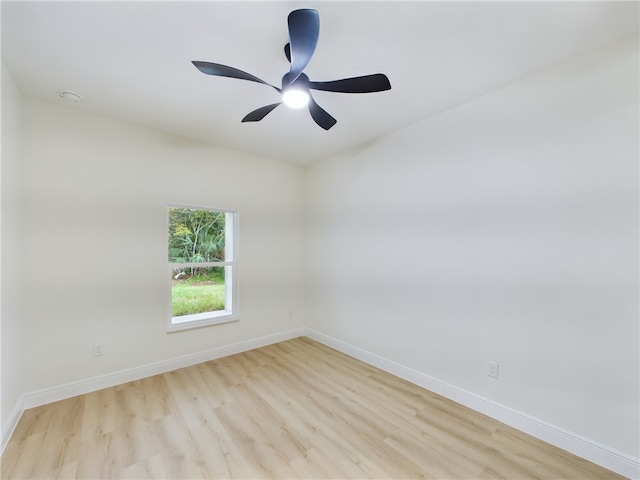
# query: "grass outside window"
{"points": [[197, 292]]}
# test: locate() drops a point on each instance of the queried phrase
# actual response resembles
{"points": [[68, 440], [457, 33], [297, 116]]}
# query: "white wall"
{"points": [[10, 278], [505, 229], [95, 197]]}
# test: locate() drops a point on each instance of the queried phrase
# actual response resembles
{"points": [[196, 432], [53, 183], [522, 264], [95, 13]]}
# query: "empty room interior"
{"points": [[427, 269]]}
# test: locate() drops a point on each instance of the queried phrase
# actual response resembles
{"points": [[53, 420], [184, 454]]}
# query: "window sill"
{"points": [[200, 320]]}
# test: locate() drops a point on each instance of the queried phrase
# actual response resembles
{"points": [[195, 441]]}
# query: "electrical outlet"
{"points": [[97, 350], [493, 370]]}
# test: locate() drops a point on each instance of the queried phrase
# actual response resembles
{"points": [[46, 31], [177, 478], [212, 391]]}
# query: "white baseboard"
{"points": [[595, 452], [48, 395], [11, 424]]}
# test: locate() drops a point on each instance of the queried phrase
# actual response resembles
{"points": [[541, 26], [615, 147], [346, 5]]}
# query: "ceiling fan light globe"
{"points": [[295, 98]]}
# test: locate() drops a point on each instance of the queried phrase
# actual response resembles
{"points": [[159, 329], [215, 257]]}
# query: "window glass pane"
{"points": [[196, 235], [197, 290]]}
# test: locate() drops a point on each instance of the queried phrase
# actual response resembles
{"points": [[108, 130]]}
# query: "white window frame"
{"points": [[230, 264]]}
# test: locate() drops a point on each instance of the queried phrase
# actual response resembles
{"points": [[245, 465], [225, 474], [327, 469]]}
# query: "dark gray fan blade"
{"points": [[260, 113], [304, 28], [377, 82], [287, 52], [225, 71], [320, 116]]}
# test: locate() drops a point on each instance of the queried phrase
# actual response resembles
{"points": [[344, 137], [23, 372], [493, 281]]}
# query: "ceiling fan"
{"points": [[304, 28]]}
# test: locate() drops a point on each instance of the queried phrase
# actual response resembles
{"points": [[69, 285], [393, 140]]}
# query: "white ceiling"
{"points": [[132, 61]]}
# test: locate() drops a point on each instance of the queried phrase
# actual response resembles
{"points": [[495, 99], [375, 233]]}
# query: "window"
{"points": [[202, 267]]}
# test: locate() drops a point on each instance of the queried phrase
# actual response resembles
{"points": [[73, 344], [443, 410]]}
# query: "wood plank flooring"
{"points": [[296, 409]]}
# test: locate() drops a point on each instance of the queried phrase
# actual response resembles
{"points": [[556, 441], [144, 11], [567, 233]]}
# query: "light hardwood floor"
{"points": [[296, 409]]}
